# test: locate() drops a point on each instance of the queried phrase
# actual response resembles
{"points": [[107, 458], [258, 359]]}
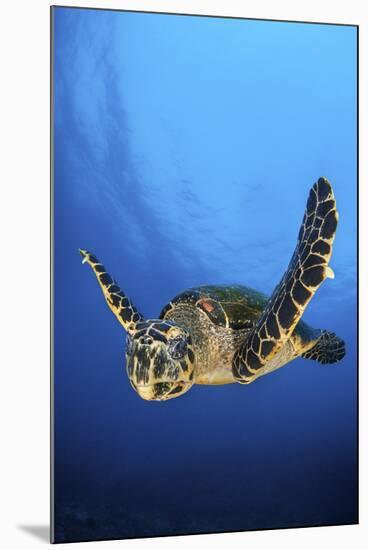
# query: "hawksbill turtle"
{"points": [[223, 334]]}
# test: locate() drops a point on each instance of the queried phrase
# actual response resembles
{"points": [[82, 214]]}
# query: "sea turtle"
{"points": [[223, 334]]}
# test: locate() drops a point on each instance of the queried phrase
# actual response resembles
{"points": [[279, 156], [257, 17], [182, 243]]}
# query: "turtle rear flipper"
{"points": [[307, 270], [328, 349]]}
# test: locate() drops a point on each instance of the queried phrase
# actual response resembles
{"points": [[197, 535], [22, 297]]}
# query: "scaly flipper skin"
{"points": [[328, 349], [126, 313], [159, 354], [306, 272]]}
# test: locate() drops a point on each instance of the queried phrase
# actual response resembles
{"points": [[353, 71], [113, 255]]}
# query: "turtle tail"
{"points": [[328, 349]]}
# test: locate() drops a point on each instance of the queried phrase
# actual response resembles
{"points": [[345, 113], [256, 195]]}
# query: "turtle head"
{"points": [[159, 360], [159, 354]]}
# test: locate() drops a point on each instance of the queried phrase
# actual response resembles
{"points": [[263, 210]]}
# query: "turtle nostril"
{"points": [[145, 340]]}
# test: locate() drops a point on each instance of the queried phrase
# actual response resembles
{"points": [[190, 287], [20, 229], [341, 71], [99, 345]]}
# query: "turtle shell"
{"points": [[231, 306]]}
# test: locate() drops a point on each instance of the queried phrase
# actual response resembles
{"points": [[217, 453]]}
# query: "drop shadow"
{"points": [[41, 532]]}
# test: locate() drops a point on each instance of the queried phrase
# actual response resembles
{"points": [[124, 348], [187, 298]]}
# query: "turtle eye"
{"points": [[128, 345], [177, 348]]}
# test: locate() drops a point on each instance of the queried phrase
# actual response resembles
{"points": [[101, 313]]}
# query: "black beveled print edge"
{"points": [[183, 14], [52, 457]]}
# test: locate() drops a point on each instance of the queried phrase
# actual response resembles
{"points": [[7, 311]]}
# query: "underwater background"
{"points": [[184, 151]]}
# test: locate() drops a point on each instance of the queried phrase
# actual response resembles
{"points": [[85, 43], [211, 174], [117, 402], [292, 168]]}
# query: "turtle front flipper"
{"points": [[126, 313], [307, 270]]}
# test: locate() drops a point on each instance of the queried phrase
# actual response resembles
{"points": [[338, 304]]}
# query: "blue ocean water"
{"points": [[184, 150]]}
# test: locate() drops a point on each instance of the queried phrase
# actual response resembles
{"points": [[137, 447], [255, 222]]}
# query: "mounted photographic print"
{"points": [[204, 232]]}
